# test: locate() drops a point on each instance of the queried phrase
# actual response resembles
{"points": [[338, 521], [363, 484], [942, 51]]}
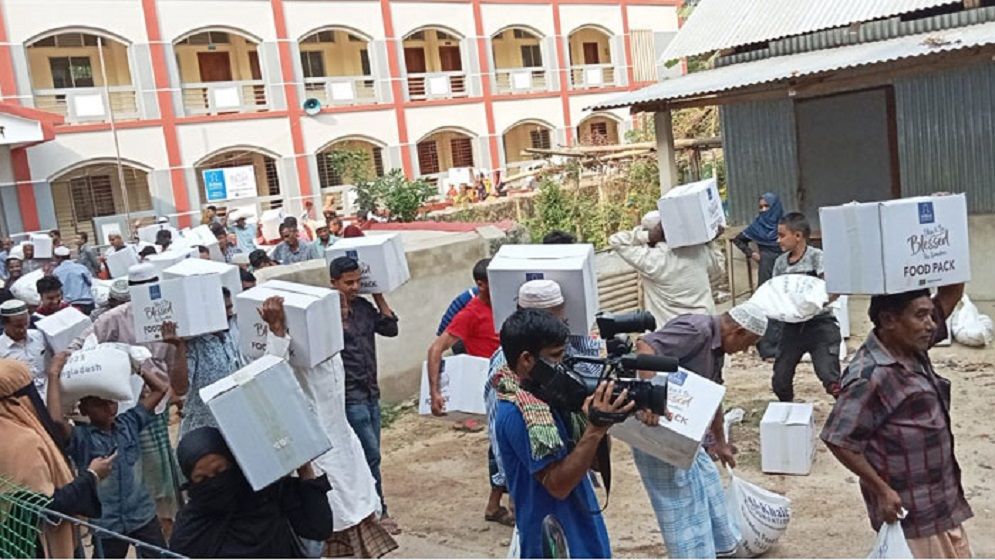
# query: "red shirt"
{"points": [[474, 325]]}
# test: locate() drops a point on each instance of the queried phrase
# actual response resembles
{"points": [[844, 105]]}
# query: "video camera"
{"points": [[565, 387]]}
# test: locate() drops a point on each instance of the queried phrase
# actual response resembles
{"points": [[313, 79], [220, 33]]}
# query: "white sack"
{"points": [[101, 290], [891, 542], [792, 298], [969, 327], [762, 516], [26, 289], [104, 371]]}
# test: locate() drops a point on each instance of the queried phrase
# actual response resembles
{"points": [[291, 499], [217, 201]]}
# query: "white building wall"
{"points": [[305, 16], [144, 146], [423, 120], [656, 18], [499, 16], [180, 17], [574, 16], [203, 139], [322, 129], [27, 19], [409, 16], [579, 103], [509, 113]]}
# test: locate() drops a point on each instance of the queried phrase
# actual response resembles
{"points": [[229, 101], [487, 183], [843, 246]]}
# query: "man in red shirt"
{"points": [[474, 326]]}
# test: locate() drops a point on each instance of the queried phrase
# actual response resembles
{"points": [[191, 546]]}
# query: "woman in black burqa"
{"points": [[224, 518]]}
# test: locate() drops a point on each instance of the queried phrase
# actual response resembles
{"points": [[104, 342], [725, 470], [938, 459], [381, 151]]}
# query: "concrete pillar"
{"points": [[666, 156], [143, 80]]}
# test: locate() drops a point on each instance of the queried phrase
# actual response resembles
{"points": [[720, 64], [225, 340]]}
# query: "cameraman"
{"points": [[547, 453], [690, 505]]}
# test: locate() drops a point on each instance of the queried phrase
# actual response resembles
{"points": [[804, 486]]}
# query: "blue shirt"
{"points": [[76, 282], [455, 307], [246, 237], [210, 357], [124, 500], [3, 265], [283, 254], [578, 514]]}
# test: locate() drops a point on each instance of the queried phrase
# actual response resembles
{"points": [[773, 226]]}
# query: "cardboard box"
{"points": [[203, 236], [314, 321], [895, 246], [692, 214], [42, 244], [787, 438], [571, 266], [381, 260], [148, 233], [194, 303], [229, 274], [841, 310], [264, 416], [462, 381], [693, 401], [271, 220], [61, 328], [170, 257], [118, 262]]}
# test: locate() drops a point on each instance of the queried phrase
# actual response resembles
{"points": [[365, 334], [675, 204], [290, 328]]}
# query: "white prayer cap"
{"points": [[540, 294], [236, 215], [162, 220], [651, 220], [144, 272], [13, 308], [61, 251], [751, 317], [16, 252], [119, 290]]}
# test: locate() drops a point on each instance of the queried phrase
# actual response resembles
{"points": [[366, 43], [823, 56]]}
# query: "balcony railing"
{"points": [[83, 105], [214, 98], [436, 85], [520, 80], [341, 90], [592, 76]]}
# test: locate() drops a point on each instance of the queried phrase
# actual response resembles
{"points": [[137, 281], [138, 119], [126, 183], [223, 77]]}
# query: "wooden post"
{"points": [[665, 154]]}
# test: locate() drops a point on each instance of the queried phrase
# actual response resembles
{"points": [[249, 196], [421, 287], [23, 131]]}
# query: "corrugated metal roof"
{"points": [[806, 64], [724, 24]]}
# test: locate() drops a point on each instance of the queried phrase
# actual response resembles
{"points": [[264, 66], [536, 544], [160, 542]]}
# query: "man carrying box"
{"points": [[690, 505], [77, 282], [292, 250], [891, 424], [361, 322], [21, 343]]}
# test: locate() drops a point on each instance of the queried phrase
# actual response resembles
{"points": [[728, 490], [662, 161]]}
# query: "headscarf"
{"points": [[223, 517], [763, 230], [29, 454]]}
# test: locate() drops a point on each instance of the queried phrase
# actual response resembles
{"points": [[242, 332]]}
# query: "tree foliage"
{"points": [[393, 192]]}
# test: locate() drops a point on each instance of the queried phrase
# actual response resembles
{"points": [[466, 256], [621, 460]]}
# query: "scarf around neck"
{"points": [[544, 437]]}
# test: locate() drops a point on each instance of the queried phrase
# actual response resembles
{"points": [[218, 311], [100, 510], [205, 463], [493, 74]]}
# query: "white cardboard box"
{"points": [[118, 262], [787, 438], [271, 220], [194, 303], [269, 424], [693, 401], [896, 246], [207, 239], [61, 328], [229, 274], [841, 310], [314, 321], [148, 233], [42, 244], [166, 259], [381, 260], [461, 381], [692, 214], [571, 266]]}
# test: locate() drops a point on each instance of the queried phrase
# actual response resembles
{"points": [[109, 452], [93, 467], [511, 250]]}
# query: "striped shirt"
{"points": [[455, 307]]}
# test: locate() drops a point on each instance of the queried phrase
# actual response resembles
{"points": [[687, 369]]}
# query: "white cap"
{"points": [[16, 252], [119, 290], [651, 220], [162, 220], [13, 308], [751, 317], [142, 273], [540, 294], [236, 215], [61, 251]]}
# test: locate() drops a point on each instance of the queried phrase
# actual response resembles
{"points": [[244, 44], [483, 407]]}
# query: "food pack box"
{"points": [[62, 327], [118, 262], [692, 214], [269, 424], [571, 266], [692, 400], [381, 260], [147, 234], [896, 246], [194, 303], [314, 321], [787, 438], [42, 244], [461, 379], [230, 276]]}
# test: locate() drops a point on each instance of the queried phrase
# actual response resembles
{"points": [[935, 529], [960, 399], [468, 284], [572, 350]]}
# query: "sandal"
{"points": [[388, 524], [502, 516], [470, 426]]}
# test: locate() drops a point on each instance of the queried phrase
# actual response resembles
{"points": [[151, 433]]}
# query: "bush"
{"points": [[393, 192]]}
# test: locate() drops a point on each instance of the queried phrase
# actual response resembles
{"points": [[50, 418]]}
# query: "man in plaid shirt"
{"points": [[891, 424]]}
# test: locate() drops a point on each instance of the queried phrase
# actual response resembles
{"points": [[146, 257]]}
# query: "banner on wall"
{"points": [[230, 183]]}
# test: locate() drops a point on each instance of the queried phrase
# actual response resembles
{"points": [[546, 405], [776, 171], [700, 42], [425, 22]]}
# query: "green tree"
{"points": [[401, 198]]}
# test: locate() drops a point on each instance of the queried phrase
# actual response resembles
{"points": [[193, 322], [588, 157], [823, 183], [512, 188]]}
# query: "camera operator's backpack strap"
{"points": [[603, 455]]}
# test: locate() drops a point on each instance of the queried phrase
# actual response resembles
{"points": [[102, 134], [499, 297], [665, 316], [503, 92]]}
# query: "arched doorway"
{"points": [[598, 130], [349, 161], [591, 64], [259, 167], [442, 150], [67, 76], [336, 66], [434, 64], [528, 134], [518, 61], [93, 190], [220, 72]]}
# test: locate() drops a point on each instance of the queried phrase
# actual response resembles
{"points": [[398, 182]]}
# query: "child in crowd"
{"points": [[127, 507], [819, 336]]}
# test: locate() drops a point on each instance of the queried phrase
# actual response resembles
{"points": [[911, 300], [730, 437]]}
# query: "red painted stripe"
{"points": [[627, 40], [294, 109], [396, 86], [164, 97], [25, 189], [485, 85], [561, 61], [8, 82]]}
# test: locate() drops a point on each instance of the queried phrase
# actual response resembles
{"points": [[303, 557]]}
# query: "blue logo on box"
{"points": [[926, 214], [155, 292], [530, 276], [352, 254], [709, 191], [677, 378]]}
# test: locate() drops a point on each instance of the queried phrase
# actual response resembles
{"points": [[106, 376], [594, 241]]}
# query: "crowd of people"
{"points": [[890, 425]]}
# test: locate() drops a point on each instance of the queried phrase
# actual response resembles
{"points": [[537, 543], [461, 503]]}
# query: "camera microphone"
{"points": [[647, 362]]}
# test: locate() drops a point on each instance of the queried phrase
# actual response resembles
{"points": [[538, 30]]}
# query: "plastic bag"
{"points": [[26, 288], [762, 516], [101, 291], [969, 327], [792, 298], [891, 542]]}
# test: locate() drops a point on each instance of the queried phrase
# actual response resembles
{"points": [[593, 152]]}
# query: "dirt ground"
{"points": [[436, 479]]}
